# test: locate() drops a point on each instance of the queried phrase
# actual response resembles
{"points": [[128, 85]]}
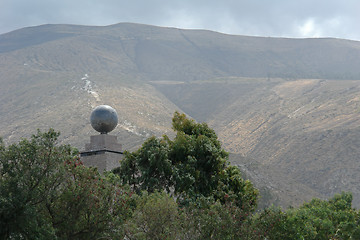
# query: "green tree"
{"points": [[156, 217], [320, 219], [148, 168], [89, 205], [29, 174], [233, 188], [270, 223], [46, 193], [317, 219], [197, 156], [219, 221], [191, 165]]}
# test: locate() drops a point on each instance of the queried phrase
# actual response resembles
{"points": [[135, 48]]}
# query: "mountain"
{"points": [[286, 109]]}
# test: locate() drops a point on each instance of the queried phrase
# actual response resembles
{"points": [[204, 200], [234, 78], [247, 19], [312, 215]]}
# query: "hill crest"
{"points": [[290, 106]]}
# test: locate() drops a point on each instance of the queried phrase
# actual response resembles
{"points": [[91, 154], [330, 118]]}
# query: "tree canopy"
{"points": [[180, 188], [191, 165], [46, 193]]}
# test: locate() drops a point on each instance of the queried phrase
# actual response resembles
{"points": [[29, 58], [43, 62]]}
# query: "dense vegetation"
{"points": [[168, 189], [192, 166]]}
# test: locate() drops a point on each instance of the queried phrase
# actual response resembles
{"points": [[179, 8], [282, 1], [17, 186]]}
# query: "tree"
{"points": [[191, 165], [233, 188], [218, 221], [147, 168], [197, 156], [156, 217], [321, 219], [29, 174], [46, 193], [270, 223], [317, 219], [89, 205]]}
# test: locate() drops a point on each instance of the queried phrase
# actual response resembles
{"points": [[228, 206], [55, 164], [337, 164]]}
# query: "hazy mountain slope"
{"points": [[304, 134], [173, 54], [65, 102], [269, 99]]}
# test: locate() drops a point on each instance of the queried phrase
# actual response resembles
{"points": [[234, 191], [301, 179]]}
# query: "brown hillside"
{"points": [[287, 108]]}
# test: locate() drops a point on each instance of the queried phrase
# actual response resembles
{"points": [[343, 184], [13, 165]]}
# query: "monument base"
{"points": [[103, 152]]}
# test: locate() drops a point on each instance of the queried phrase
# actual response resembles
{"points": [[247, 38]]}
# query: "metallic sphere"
{"points": [[104, 119]]}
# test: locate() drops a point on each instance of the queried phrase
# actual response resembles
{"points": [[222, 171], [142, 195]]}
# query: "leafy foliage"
{"points": [[46, 193], [233, 188], [197, 156], [89, 205], [148, 168], [29, 175], [318, 219], [219, 221], [156, 217], [192, 165]]}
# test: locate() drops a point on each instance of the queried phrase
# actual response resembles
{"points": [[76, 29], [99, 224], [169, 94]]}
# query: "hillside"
{"points": [[296, 132], [288, 109]]}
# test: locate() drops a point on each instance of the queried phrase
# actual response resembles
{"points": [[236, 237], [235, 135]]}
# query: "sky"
{"points": [[268, 18]]}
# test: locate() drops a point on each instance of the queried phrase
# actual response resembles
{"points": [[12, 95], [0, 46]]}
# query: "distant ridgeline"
{"points": [[158, 53], [287, 109]]}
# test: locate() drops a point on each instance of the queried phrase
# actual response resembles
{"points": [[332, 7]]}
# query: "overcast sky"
{"points": [[275, 18]]}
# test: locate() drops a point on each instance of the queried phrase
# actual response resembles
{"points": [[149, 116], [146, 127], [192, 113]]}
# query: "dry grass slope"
{"points": [[287, 108]]}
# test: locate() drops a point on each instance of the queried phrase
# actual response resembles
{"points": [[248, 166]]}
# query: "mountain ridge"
{"points": [[227, 55], [287, 109]]}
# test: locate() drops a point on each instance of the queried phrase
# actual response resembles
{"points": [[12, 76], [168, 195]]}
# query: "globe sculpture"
{"points": [[104, 119]]}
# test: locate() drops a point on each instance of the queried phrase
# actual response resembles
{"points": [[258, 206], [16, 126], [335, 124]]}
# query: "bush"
{"points": [[46, 193], [156, 217]]}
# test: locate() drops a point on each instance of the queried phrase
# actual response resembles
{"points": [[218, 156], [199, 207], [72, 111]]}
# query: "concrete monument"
{"points": [[103, 151]]}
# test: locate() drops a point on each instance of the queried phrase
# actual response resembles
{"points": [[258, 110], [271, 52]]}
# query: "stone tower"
{"points": [[103, 151]]}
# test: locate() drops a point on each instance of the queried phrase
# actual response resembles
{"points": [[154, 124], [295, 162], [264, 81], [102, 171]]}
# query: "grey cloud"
{"points": [[284, 18]]}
